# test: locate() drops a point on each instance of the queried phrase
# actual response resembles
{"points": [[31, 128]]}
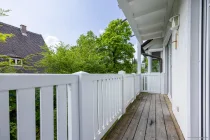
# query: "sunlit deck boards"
{"points": [[148, 118]]}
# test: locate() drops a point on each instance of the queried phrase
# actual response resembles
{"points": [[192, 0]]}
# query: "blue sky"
{"points": [[62, 20]]}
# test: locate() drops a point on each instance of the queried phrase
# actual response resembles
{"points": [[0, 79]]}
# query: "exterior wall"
{"points": [[179, 64]]}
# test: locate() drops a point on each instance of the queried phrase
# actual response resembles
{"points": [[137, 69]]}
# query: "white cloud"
{"points": [[101, 31], [51, 40]]}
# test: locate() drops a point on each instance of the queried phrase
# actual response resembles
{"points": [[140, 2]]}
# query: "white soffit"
{"points": [[147, 18]]}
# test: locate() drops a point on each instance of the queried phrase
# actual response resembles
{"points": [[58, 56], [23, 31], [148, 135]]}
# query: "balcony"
{"points": [[87, 105]]}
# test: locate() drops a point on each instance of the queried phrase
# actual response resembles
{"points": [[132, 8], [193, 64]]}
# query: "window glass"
{"points": [[19, 62], [12, 61]]}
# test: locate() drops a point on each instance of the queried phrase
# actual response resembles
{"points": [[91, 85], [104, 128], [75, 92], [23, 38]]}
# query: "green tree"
{"points": [[108, 53], [155, 65], [70, 59], [3, 37], [114, 45], [5, 65]]}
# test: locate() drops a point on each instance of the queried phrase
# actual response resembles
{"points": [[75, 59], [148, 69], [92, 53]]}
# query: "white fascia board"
{"points": [[156, 50], [124, 5]]}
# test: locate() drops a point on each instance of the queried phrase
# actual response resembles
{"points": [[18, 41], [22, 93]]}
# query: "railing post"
{"points": [[134, 85], [81, 103], [123, 95]]}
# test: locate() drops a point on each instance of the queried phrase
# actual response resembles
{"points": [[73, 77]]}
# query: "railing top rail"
{"points": [[129, 75], [93, 77], [24, 81], [150, 74]]}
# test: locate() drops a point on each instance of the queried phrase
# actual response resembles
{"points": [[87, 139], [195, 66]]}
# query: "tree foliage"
{"points": [[155, 65], [5, 66], [108, 53], [3, 37], [70, 59], [114, 43]]}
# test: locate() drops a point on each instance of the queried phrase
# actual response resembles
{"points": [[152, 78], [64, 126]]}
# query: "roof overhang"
{"points": [[147, 18]]}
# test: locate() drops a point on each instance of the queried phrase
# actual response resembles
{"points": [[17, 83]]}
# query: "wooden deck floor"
{"points": [[147, 118]]}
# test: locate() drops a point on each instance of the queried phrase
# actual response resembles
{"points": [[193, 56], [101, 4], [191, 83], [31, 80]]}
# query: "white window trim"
{"points": [[16, 60]]}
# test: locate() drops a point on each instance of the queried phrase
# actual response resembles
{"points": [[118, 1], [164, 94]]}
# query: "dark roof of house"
{"points": [[20, 46]]}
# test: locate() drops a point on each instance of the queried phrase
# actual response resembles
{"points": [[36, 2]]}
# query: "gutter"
{"points": [[153, 56]]}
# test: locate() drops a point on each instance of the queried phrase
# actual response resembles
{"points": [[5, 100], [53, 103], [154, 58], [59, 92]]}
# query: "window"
{"points": [[15, 62]]}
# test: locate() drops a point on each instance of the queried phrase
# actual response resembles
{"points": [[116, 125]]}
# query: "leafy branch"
{"points": [[4, 12]]}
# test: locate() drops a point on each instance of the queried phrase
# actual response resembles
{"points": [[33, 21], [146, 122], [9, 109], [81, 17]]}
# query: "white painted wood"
{"points": [[26, 127], [61, 99], [12, 81], [149, 63], [128, 90], [86, 108], [138, 58], [151, 82], [100, 106], [46, 113], [207, 95], [156, 50], [150, 26], [4, 116], [100, 103], [95, 109], [73, 111], [150, 10]]}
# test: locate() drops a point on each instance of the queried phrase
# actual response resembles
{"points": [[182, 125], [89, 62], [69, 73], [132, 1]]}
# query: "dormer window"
{"points": [[15, 62]]}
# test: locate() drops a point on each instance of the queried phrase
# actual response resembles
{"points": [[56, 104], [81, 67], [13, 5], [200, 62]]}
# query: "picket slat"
{"points": [[61, 94], [4, 116], [26, 127], [151, 82], [46, 113], [86, 105]]}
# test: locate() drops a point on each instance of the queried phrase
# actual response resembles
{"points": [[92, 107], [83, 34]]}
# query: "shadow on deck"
{"points": [[147, 118]]}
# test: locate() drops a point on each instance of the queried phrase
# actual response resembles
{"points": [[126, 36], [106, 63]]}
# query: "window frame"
{"points": [[16, 62]]}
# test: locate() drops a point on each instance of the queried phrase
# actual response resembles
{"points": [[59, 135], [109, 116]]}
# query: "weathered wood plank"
{"points": [[134, 123], [150, 132], [140, 132], [119, 130], [160, 126], [155, 108], [170, 128]]}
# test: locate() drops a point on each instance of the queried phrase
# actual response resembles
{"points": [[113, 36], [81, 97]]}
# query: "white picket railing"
{"points": [[151, 82], [128, 90], [87, 105], [137, 83], [66, 106]]}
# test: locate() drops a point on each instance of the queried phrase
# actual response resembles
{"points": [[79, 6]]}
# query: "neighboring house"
{"points": [[177, 33], [23, 44]]}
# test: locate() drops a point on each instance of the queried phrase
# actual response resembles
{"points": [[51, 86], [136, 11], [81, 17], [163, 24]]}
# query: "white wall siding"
{"points": [[179, 65]]}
